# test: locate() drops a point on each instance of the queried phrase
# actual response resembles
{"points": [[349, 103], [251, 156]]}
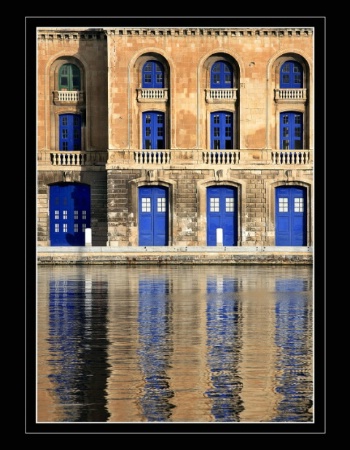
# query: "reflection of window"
{"points": [[291, 131], [291, 75], [152, 75], [221, 76], [69, 78]]}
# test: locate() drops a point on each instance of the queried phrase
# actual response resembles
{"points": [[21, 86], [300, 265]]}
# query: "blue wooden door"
{"points": [[70, 132], [291, 211], [153, 215], [222, 213], [69, 213], [221, 130], [153, 130], [291, 130]]}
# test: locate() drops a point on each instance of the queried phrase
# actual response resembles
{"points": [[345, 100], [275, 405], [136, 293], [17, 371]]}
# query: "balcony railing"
{"points": [[205, 158], [68, 97], [72, 158], [152, 95], [220, 95], [290, 95], [176, 158]]}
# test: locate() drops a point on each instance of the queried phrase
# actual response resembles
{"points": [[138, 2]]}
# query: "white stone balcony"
{"points": [[290, 95], [68, 97], [71, 158], [207, 158], [182, 159], [221, 95], [152, 95]]}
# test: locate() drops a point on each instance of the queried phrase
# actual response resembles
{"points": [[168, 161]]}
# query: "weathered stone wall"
{"points": [[111, 61]]}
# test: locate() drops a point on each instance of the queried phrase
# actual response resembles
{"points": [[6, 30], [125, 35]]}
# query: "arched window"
{"points": [[291, 75], [221, 130], [69, 78], [70, 132], [153, 75], [291, 130], [221, 76]]}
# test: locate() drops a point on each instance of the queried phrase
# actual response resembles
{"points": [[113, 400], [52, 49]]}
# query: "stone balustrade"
{"points": [[185, 158]]}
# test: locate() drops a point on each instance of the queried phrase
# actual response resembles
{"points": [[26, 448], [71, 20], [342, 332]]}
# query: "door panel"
{"points": [[291, 209], [69, 213], [153, 215], [222, 213]]}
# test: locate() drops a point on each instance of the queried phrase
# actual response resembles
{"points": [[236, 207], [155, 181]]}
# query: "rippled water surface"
{"points": [[174, 344]]}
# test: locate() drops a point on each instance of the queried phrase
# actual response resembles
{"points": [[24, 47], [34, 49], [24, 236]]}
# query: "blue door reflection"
{"points": [[293, 325], [223, 348], [155, 348]]}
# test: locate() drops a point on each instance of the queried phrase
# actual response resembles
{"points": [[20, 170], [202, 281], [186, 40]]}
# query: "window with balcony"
{"points": [[222, 84], [153, 85], [291, 83]]}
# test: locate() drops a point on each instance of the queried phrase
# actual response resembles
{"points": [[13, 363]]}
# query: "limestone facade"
{"points": [[112, 102]]}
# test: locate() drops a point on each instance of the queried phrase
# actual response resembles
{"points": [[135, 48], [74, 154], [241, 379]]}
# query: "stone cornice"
{"points": [[102, 33]]}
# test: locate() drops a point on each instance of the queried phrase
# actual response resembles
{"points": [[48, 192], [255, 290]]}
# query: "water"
{"points": [[179, 344]]}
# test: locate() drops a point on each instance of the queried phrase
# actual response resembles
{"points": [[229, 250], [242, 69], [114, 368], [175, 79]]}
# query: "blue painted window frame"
{"points": [[153, 75], [221, 75], [291, 75]]}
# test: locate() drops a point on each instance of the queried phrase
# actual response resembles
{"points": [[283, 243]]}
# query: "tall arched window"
{"points": [[291, 75], [69, 78], [221, 76], [153, 75], [291, 130]]}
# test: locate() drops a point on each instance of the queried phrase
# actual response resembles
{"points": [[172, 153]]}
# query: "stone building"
{"points": [[178, 136]]}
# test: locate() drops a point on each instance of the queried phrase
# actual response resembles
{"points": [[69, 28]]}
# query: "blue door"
{"points": [[291, 216], [153, 215], [222, 213], [221, 130], [153, 130], [70, 132], [69, 213], [291, 131]]}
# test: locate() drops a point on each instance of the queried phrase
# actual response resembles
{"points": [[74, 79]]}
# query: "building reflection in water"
{"points": [[175, 344]]}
